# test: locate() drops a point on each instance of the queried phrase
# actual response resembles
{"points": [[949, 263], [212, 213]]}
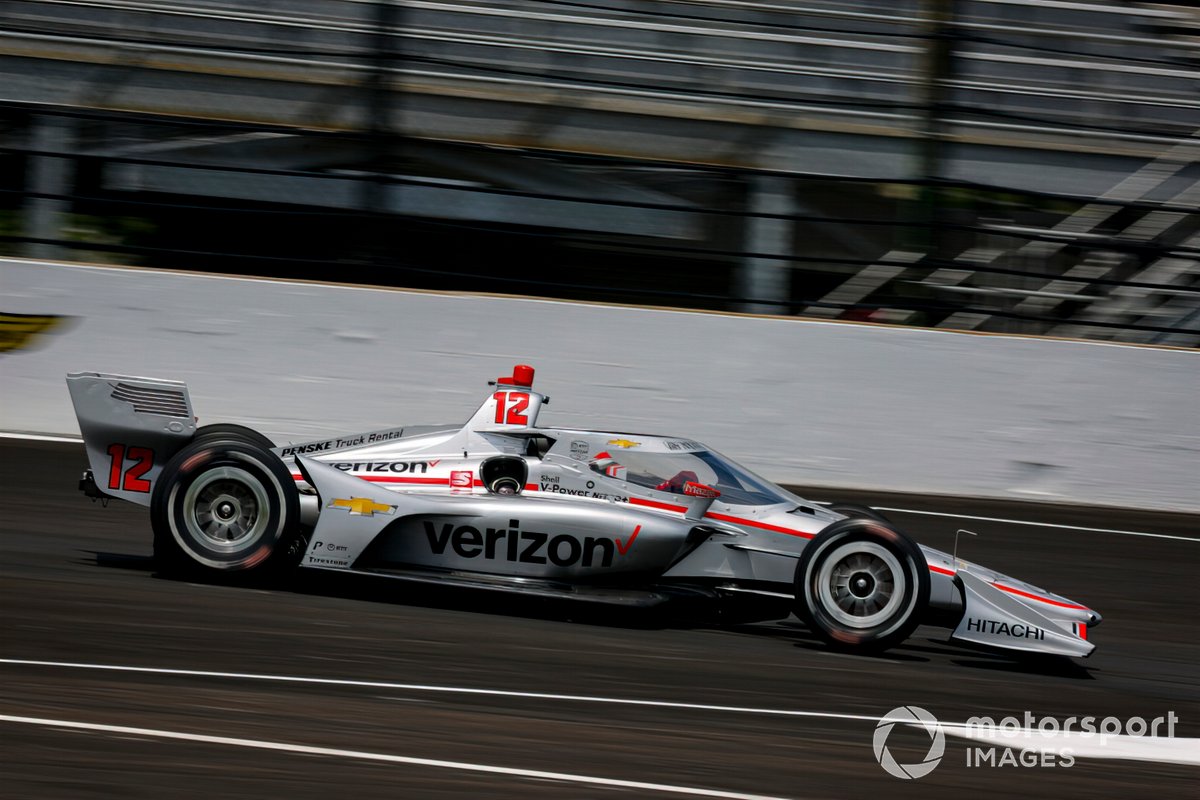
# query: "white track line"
{"points": [[1160, 749], [1147, 748], [566, 777], [1039, 524], [418, 687], [40, 437]]}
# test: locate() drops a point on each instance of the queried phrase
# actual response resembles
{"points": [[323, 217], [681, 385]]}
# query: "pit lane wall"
{"points": [[801, 402]]}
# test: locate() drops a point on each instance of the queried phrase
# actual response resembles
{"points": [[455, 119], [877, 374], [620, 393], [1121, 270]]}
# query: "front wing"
{"points": [[997, 618]]}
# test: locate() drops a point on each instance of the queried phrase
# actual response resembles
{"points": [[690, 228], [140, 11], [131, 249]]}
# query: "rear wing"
{"points": [[131, 428]]}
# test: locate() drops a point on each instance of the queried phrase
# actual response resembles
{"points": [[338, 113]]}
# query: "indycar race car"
{"points": [[501, 503]]}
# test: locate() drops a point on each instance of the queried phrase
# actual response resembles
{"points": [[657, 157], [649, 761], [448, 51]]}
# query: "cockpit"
{"points": [[673, 472]]}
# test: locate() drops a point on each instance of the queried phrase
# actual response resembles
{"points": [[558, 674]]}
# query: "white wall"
{"points": [[801, 402]]}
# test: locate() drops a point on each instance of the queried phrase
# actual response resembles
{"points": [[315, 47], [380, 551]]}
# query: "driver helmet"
{"points": [[605, 464]]}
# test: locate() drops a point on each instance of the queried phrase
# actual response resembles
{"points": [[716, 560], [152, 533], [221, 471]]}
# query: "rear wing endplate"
{"points": [[131, 428]]}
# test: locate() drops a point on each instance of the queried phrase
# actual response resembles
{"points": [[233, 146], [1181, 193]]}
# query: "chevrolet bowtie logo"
{"points": [[362, 506], [623, 443]]}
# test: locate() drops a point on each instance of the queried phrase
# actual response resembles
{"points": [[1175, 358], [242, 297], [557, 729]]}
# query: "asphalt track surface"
{"points": [[77, 585]]}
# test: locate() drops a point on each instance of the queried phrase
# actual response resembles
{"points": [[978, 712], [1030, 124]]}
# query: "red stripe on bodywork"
{"points": [[1082, 631], [391, 479], [761, 525], [531, 487], [1020, 593], [637, 501]]}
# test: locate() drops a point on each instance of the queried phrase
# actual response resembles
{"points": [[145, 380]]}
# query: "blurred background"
{"points": [[1025, 166]]}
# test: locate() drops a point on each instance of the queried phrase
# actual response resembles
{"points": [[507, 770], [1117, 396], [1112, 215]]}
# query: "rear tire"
{"points": [[861, 585], [231, 430], [224, 505]]}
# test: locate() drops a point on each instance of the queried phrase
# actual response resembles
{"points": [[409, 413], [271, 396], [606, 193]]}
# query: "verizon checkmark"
{"points": [[624, 548]]}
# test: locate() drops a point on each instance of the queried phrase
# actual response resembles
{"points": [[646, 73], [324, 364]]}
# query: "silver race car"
{"points": [[502, 503]]}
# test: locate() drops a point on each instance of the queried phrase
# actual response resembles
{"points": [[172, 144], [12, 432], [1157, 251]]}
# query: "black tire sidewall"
{"points": [[854, 511], [177, 546], [231, 431], [892, 630]]}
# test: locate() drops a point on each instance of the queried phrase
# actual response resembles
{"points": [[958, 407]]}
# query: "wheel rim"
{"points": [[861, 584], [226, 509]]}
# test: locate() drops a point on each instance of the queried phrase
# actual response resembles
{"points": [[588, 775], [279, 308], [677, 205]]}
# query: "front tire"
{"points": [[855, 511], [224, 505], [861, 585]]}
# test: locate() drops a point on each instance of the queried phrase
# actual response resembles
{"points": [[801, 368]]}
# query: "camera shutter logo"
{"points": [[909, 715]]}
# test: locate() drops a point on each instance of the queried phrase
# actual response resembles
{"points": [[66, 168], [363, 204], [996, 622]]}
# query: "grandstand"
{"points": [[989, 165]]}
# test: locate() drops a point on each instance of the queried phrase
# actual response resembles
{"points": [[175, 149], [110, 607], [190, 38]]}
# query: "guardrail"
{"points": [[1017, 70]]}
